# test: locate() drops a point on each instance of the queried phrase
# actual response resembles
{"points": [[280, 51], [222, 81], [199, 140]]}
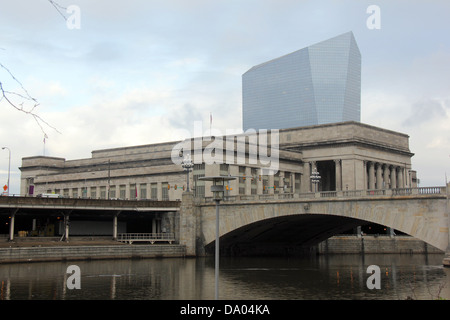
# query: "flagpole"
{"points": [[210, 123]]}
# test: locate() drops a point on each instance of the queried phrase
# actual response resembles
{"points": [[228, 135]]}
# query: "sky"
{"points": [[109, 74]]}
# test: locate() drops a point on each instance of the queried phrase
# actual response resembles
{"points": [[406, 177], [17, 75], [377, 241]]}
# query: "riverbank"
{"points": [[82, 248]]}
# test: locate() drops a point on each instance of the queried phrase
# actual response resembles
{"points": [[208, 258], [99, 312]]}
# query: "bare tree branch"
{"points": [[25, 97], [58, 7]]}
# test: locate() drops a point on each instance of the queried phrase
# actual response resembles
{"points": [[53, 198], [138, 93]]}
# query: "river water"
{"points": [[321, 277]]}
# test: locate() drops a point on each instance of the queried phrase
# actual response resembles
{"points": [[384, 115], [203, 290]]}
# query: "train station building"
{"points": [[345, 156]]}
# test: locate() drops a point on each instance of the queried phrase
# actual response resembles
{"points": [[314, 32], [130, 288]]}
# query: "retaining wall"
{"points": [[35, 254], [375, 244]]}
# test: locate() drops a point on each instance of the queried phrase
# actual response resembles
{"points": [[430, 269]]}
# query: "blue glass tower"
{"points": [[314, 85]]}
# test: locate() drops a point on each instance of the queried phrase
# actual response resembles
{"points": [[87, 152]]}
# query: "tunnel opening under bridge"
{"points": [[297, 235]]}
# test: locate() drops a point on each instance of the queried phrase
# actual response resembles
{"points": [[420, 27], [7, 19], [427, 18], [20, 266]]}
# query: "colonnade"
{"points": [[360, 174], [385, 176]]}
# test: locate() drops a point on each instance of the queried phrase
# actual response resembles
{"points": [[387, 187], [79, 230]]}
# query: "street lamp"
{"points": [[217, 189], [9, 166], [187, 166], [315, 179]]}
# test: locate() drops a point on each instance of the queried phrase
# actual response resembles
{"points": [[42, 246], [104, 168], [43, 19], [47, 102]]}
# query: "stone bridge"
{"points": [[268, 223]]}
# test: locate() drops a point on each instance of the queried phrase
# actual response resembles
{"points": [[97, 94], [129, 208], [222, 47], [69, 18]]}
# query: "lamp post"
{"points": [[217, 189], [315, 179], [187, 166], [9, 165]]}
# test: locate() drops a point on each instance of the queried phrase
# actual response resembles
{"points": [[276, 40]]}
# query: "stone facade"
{"points": [[347, 155]]}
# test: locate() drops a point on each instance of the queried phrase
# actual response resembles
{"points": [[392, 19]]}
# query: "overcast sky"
{"points": [[139, 71]]}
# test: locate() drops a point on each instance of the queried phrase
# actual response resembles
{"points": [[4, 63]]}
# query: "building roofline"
{"points": [[344, 123]]}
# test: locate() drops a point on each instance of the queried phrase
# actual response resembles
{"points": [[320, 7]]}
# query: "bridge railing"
{"points": [[334, 194]]}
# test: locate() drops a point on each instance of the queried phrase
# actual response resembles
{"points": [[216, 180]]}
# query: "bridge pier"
{"points": [[11, 225], [66, 226], [116, 215], [188, 224]]}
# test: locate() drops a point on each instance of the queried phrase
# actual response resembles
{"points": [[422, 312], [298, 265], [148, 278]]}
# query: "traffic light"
{"points": [[168, 187], [274, 187], [176, 187]]}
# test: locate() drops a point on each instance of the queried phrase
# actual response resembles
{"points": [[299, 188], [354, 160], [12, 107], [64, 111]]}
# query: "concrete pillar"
{"points": [[66, 226], [11, 225], [248, 181], [188, 224], [393, 177], [401, 179], [154, 228], [386, 177], [271, 183], [358, 231], [115, 225], [306, 179], [371, 175], [159, 190], [259, 182], [338, 175], [281, 176], [379, 183]]}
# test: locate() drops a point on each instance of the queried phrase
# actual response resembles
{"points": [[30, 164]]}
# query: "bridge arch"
{"points": [[244, 226]]}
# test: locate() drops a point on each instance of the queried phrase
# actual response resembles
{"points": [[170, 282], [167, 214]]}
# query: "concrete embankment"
{"points": [[35, 250], [374, 245], [27, 251]]}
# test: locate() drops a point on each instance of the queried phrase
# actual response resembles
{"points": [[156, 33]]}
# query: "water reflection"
{"points": [[323, 277]]}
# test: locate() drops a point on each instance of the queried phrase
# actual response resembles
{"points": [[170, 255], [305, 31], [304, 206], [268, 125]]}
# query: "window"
{"points": [[93, 192], [143, 191], [199, 185], [133, 191], [102, 192], [165, 191], [112, 192], [154, 191], [122, 191]]}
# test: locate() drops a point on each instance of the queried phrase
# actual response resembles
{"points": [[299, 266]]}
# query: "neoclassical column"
{"points": [[338, 175], [386, 176], [401, 181], [371, 175], [379, 183], [393, 177]]}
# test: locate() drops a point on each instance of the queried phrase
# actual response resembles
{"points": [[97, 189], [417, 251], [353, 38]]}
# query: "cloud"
{"points": [[426, 111]]}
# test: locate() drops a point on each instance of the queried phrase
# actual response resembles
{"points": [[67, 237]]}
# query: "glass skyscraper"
{"points": [[315, 85]]}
